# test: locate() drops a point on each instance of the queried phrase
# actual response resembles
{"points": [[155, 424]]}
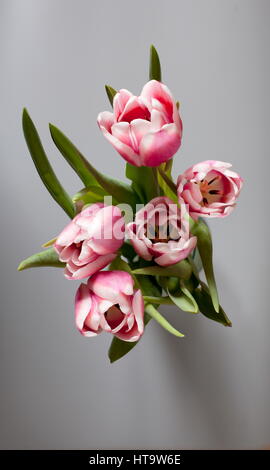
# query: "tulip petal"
{"points": [[138, 129], [106, 120], [67, 235], [138, 309], [125, 151], [158, 147], [134, 109], [83, 303], [218, 186], [174, 257], [119, 102], [93, 267], [138, 245], [92, 321], [108, 284], [121, 131], [157, 90]]}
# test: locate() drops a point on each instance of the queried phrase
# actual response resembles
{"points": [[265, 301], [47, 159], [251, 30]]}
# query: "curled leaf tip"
{"points": [[111, 92], [154, 65]]}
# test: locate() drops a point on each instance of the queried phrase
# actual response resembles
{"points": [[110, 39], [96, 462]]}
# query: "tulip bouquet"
{"points": [[143, 244]]}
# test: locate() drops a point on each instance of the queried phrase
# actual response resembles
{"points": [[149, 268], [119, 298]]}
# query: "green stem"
{"points": [[168, 181], [158, 300], [152, 311], [155, 173]]}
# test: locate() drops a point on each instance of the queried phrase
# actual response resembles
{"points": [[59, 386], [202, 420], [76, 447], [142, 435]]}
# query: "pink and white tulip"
{"points": [[109, 303], [209, 188], [90, 241], [146, 130], [161, 232]]}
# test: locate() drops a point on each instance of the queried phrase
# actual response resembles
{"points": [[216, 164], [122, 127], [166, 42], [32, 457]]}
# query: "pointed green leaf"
{"points": [[197, 260], [72, 155], [43, 166], [204, 245], [111, 92], [143, 181], [183, 301], [120, 191], [118, 264], [167, 167], [158, 300], [149, 286], [44, 258], [153, 312], [182, 270], [89, 195], [168, 185], [188, 294], [119, 348], [167, 191], [117, 189], [49, 243], [205, 304], [154, 65]]}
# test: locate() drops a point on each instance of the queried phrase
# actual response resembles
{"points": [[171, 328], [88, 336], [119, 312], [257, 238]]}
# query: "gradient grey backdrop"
{"points": [[211, 389]]}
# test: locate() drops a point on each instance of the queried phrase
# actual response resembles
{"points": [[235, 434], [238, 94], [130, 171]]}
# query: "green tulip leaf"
{"points": [[154, 65], [149, 286], [120, 191], [189, 295], [197, 260], [184, 300], [118, 264], [166, 189], [153, 312], [49, 243], [120, 348], [143, 181], [182, 270], [117, 189], [89, 195], [72, 155], [43, 166], [47, 257], [206, 307], [166, 183], [111, 92], [158, 300], [204, 245]]}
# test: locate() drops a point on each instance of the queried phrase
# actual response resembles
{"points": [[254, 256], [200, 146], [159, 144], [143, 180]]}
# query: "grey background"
{"points": [[211, 389]]}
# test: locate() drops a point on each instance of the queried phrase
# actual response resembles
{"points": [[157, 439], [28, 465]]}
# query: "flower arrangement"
{"points": [[143, 244]]}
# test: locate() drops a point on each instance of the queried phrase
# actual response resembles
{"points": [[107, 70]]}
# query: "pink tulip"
{"points": [[90, 240], [210, 189], [109, 303], [160, 232], [146, 130]]}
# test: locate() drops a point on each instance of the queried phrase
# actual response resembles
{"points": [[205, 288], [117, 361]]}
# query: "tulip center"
{"points": [[162, 233], [114, 316], [211, 189]]}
